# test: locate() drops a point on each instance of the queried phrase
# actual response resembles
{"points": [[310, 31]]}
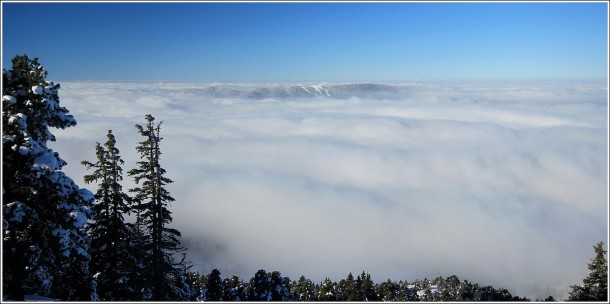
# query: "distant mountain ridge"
{"points": [[304, 91]]}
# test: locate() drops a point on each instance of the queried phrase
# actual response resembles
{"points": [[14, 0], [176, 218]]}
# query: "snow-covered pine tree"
{"points": [[407, 292], [194, 280], [113, 264], [270, 286], [595, 285], [327, 291], [260, 287], [45, 242], [234, 290], [303, 290], [160, 271], [465, 291], [388, 290], [444, 291], [280, 287]]}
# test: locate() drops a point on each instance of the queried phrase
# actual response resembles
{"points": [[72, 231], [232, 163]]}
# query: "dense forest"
{"points": [[69, 243]]}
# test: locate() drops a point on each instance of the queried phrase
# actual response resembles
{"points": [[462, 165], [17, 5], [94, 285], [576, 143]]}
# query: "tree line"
{"points": [[65, 242], [272, 286]]}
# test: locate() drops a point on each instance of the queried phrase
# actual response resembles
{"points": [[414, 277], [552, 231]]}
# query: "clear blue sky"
{"points": [[309, 41]]}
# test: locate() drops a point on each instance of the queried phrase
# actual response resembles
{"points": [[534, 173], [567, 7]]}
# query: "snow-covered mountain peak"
{"points": [[304, 91]]}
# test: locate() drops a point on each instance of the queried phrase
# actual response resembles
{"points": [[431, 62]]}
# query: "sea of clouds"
{"points": [[501, 183]]}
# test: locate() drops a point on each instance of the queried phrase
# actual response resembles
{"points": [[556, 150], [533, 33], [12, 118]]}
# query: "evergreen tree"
{"points": [[269, 287], [340, 290], [424, 289], [549, 299], [466, 291], [280, 287], [180, 285], [388, 291], [441, 293], [447, 289], [477, 293], [407, 293], [595, 285], [193, 279], [367, 287], [162, 273], [114, 266], [139, 244], [452, 286], [350, 289], [345, 288], [502, 294], [214, 286], [303, 290], [327, 290], [45, 244], [234, 289], [487, 293], [260, 287], [426, 295], [358, 294]]}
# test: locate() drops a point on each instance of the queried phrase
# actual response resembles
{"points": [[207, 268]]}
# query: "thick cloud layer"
{"points": [[498, 183]]}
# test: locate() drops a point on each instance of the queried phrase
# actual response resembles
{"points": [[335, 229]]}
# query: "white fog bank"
{"points": [[499, 183]]}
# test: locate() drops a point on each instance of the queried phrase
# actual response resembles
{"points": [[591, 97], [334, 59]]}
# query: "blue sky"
{"points": [[309, 41]]}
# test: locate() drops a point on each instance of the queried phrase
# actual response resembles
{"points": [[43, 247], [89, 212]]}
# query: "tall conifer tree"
{"points": [[160, 270], [595, 285], [327, 291], [45, 242], [303, 290], [113, 263], [214, 286]]}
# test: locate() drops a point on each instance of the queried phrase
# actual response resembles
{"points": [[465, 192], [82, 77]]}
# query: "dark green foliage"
{"points": [[395, 291], [269, 287], [347, 291], [280, 287], [388, 291], [260, 287], [214, 286], [466, 291], [45, 244], [449, 289], [597, 280], [195, 281], [234, 289], [327, 290], [595, 285], [113, 264], [303, 290], [160, 270], [368, 288], [139, 244]]}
